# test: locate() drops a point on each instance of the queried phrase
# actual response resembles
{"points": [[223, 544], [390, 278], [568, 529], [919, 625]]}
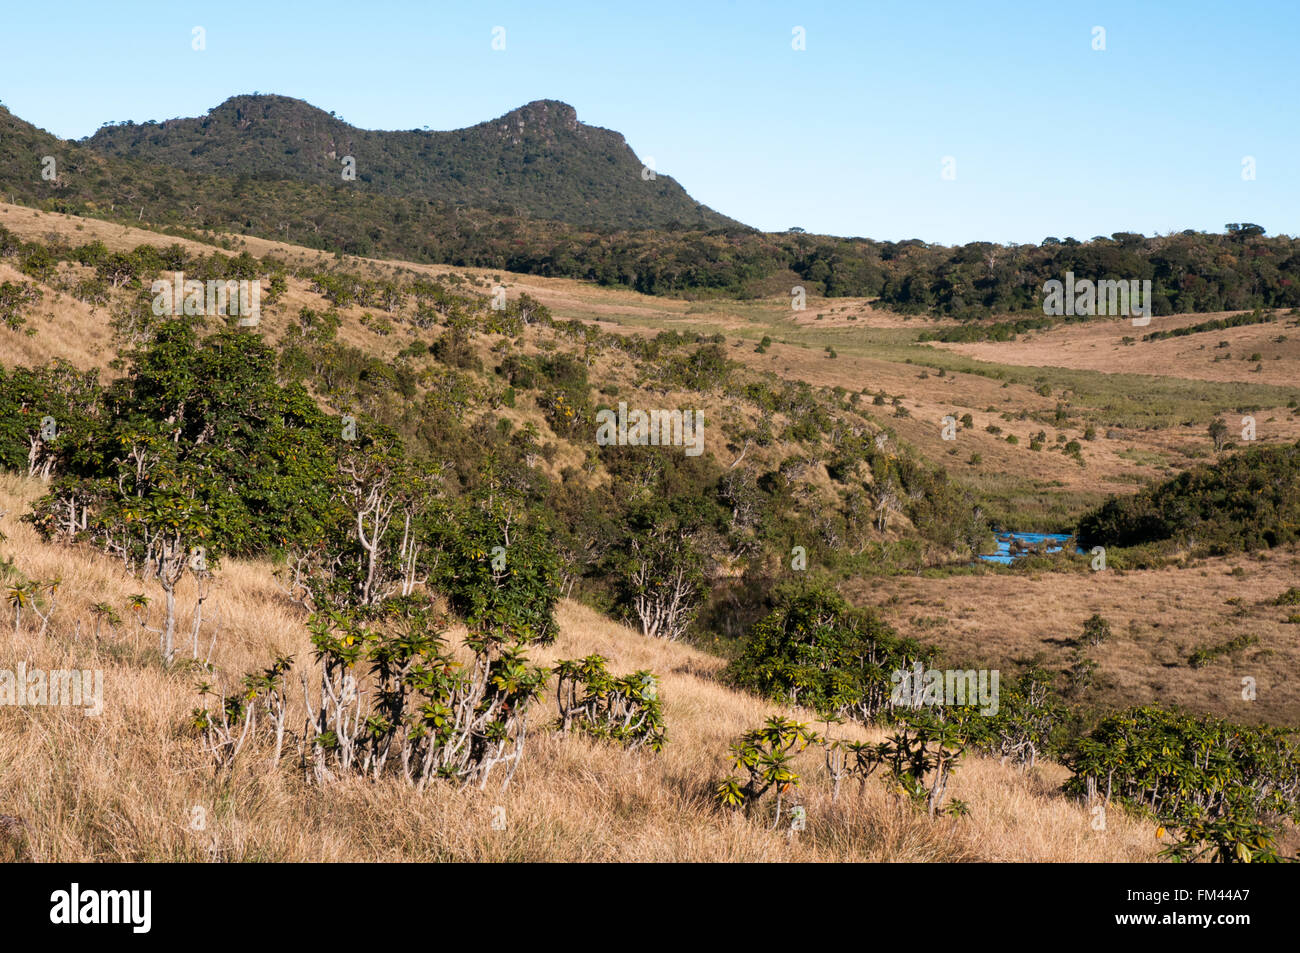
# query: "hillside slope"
{"points": [[537, 160], [130, 783], [418, 347]]}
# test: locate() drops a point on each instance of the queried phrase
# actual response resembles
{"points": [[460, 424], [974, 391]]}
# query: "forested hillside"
{"points": [[537, 192], [404, 471], [537, 161]]}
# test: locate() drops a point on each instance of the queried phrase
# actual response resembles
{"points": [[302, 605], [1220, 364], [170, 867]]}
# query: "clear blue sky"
{"points": [[1049, 136]]}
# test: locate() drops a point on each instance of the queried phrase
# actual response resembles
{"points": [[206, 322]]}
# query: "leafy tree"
{"points": [[14, 300], [624, 708], [766, 754], [1218, 433], [393, 698], [662, 582], [195, 453], [499, 571], [814, 650], [1244, 501], [1223, 787], [1096, 630]]}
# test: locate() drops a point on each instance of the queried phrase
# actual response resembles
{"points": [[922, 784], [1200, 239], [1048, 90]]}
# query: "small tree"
{"points": [[814, 650], [104, 613], [920, 755], [226, 731], [663, 581], [1218, 433], [624, 708], [1096, 630], [1027, 720], [1223, 789], [765, 753]]}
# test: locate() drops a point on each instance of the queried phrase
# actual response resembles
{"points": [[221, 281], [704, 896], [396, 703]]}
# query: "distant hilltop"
{"points": [[537, 160]]}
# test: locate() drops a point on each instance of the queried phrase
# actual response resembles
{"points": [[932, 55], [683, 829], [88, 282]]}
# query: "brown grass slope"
{"points": [[132, 785], [125, 785]]}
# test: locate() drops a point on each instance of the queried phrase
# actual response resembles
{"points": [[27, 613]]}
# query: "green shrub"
{"points": [[1096, 630], [622, 708], [814, 650], [765, 754], [1223, 788]]}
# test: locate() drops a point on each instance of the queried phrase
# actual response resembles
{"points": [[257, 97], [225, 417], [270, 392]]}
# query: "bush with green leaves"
{"points": [[661, 581], [372, 543], [1223, 788], [392, 698], [1030, 721], [196, 453], [1206, 654], [1096, 630], [45, 412], [1228, 835], [15, 298], [920, 755], [205, 422], [233, 724], [766, 755], [1291, 597], [621, 708], [813, 649], [31, 595], [499, 569], [1245, 501]]}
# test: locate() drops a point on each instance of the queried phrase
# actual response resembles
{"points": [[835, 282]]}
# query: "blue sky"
{"points": [[848, 136]]}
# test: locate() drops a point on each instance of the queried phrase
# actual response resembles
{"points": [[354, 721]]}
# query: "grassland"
{"points": [[125, 785]]}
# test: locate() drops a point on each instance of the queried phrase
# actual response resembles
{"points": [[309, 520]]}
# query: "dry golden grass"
{"points": [[1097, 346], [65, 328], [125, 785], [1158, 618]]}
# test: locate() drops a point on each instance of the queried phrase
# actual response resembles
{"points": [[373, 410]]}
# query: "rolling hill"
{"points": [[537, 160], [799, 445]]}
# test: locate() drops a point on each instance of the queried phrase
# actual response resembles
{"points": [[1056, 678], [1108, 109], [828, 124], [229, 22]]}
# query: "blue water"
{"points": [[1054, 543]]}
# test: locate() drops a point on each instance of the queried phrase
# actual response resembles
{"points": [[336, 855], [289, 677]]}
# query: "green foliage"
{"points": [[622, 708], [707, 368], [1219, 324], [32, 397], [1223, 787], [765, 754], [1030, 721], [1096, 630], [233, 724], [1203, 656], [198, 437], [921, 753], [814, 650], [1246, 501], [1218, 433], [659, 572], [499, 571], [1291, 597], [991, 331], [14, 300], [394, 699]]}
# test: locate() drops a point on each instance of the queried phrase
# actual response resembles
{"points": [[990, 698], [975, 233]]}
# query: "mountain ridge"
{"points": [[538, 160]]}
